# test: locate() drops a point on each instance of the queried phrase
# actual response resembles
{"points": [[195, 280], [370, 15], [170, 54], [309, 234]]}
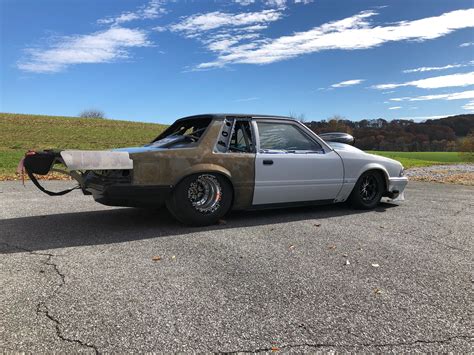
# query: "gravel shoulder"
{"points": [[461, 174], [78, 276]]}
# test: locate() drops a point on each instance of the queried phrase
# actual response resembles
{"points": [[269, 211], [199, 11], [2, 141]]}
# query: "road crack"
{"points": [[339, 346], [42, 307]]}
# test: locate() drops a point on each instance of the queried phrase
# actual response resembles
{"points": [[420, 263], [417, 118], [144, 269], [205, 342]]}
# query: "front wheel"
{"points": [[201, 199], [368, 191]]}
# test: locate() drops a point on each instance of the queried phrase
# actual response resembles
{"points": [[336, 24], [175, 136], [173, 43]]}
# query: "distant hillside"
{"points": [[19, 132], [462, 125], [444, 134]]}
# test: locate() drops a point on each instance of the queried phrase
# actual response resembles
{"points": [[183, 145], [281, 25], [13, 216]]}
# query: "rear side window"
{"points": [[241, 140], [236, 136], [275, 136]]}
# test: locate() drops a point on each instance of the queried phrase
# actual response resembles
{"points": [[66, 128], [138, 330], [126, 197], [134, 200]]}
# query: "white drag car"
{"points": [[203, 166]]}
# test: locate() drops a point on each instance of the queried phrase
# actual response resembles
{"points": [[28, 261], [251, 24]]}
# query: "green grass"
{"points": [[417, 159], [19, 132]]}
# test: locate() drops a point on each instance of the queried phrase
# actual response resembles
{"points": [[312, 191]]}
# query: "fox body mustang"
{"points": [[203, 166]]}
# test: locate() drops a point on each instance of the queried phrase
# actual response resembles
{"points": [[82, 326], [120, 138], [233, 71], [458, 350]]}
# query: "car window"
{"points": [[182, 133], [241, 139], [286, 137]]}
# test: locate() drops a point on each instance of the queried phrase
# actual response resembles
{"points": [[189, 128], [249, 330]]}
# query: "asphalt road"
{"points": [[77, 276]]}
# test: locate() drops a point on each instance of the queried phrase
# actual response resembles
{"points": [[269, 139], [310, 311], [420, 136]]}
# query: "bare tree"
{"points": [[336, 124], [297, 116], [92, 113]]}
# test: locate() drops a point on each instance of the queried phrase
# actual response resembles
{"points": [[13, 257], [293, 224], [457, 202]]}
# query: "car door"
{"points": [[292, 166]]}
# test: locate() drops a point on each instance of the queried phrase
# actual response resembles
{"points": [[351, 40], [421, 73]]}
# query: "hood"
{"points": [[349, 152]]}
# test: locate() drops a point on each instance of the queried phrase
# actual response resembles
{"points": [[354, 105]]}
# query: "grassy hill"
{"points": [[19, 132]]}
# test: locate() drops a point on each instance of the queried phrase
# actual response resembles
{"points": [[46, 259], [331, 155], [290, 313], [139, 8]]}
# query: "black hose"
{"points": [[47, 192]]}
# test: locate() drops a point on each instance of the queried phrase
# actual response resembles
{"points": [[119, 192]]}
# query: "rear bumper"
{"points": [[109, 180], [396, 186], [118, 190], [130, 195]]}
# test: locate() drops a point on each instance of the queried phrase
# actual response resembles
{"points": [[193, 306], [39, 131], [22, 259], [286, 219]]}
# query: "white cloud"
{"points": [[460, 79], [395, 108], [275, 3], [466, 44], [469, 106], [221, 32], [247, 99], [272, 3], [424, 118], [244, 2], [347, 83], [99, 47], [199, 23], [148, 12], [469, 94], [355, 32], [449, 66]]}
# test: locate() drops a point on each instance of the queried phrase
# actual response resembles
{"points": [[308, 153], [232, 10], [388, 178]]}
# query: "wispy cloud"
{"points": [[272, 3], [355, 32], [469, 94], [449, 66], [220, 32], [244, 2], [99, 47], [346, 83], [469, 106], [466, 44], [395, 108], [197, 24], [275, 3], [424, 118], [460, 79], [247, 99], [150, 11]]}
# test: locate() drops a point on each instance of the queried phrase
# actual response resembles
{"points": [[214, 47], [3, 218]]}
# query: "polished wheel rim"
{"points": [[205, 193], [368, 188]]}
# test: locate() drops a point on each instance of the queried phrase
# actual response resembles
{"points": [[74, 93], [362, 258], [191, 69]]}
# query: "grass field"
{"points": [[414, 159], [19, 132]]}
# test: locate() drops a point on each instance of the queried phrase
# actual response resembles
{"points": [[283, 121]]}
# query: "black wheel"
{"points": [[368, 190], [201, 199]]}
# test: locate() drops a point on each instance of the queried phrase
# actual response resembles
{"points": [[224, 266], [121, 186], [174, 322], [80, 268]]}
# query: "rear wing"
{"points": [[41, 163]]}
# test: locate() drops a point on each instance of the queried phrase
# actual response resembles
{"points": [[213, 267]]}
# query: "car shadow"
{"points": [[54, 231]]}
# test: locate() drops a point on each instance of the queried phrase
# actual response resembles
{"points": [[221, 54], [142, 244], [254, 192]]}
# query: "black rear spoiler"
{"points": [[41, 163], [339, 137]]}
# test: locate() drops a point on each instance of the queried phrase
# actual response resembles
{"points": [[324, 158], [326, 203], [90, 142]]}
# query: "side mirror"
{"points": [[339, 137]]}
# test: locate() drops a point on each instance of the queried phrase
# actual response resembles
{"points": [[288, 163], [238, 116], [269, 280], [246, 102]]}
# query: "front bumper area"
{"points": [[396, 186]]}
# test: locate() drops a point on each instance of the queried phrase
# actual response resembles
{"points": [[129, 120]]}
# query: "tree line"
{"points": [[454, 133]]}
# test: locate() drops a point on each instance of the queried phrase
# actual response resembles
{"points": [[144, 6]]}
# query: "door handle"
{"points": [[268, 162]]}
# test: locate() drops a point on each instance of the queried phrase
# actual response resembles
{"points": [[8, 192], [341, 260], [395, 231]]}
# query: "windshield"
{"points": [[182, 132]]}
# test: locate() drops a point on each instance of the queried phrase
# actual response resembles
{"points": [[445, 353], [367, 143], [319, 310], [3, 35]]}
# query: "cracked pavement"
{"points": [[79, 277]]}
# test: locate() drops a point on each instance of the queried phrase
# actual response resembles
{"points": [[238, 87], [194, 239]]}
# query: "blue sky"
{"points": [[157, 60]]}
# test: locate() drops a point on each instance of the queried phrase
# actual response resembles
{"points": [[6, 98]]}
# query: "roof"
{"points": [[237, 115]]}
